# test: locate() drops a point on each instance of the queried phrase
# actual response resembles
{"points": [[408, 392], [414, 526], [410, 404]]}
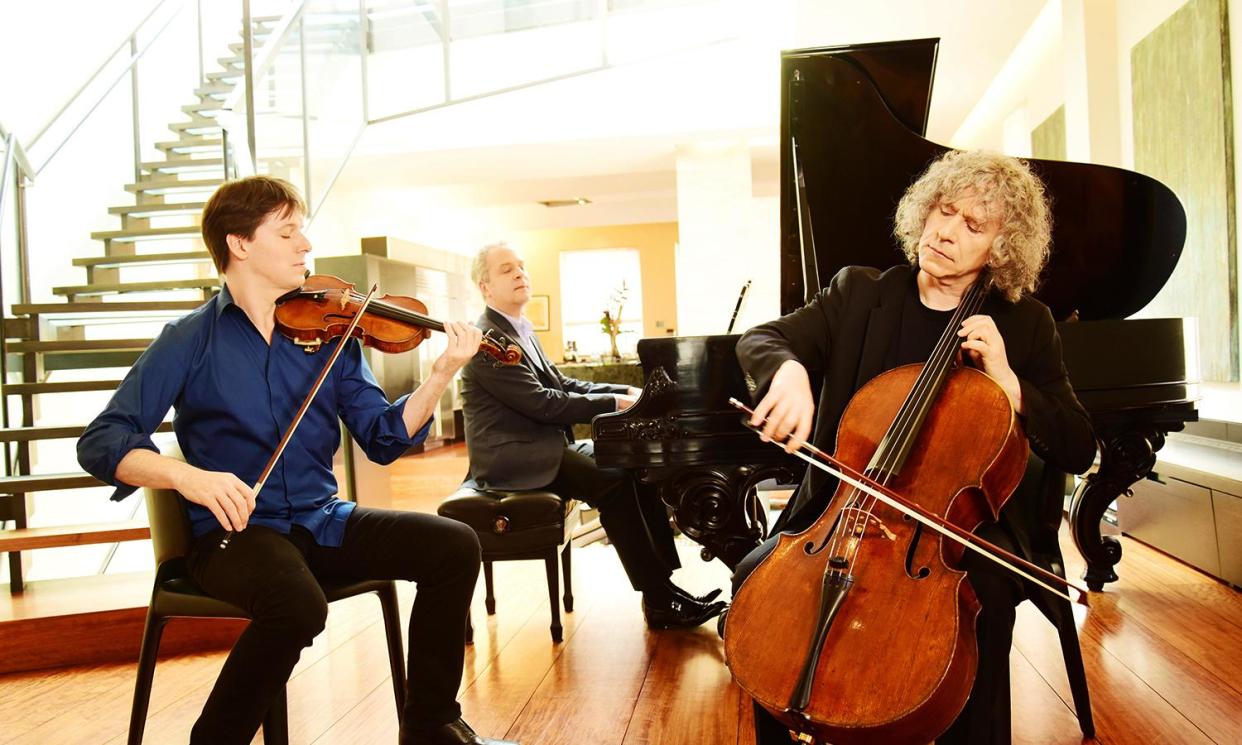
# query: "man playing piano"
{"points": [[970, 215], [519, 436]]}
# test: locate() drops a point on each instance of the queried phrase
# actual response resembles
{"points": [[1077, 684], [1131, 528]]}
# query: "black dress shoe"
{"points": [[679, 613], [453, 733], [704, 599]]}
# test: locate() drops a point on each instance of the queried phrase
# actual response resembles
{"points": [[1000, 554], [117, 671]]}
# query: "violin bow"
{"points": [[981, 546], [297, 418]]}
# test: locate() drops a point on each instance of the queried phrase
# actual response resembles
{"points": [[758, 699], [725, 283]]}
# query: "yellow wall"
{"points": [[655, 242]]}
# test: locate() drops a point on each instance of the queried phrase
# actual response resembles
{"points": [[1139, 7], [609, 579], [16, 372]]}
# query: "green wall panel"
{"points": [[1181, 137], [1048, 139]]}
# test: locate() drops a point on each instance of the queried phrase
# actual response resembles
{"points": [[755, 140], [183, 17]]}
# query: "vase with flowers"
{"points": [[610, 323]]}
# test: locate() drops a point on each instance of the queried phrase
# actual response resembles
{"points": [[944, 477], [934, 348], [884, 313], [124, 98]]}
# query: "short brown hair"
{"points": [[239, 207]]}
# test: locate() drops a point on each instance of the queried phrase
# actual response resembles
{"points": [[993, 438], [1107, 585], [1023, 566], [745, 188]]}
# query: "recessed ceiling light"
{"points": [[576, 202]]}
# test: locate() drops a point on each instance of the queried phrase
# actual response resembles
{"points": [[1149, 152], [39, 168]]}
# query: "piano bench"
{"points": [[515, 525]]}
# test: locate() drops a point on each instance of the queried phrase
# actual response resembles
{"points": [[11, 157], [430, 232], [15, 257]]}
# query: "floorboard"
{"points": [[1162, 649]]}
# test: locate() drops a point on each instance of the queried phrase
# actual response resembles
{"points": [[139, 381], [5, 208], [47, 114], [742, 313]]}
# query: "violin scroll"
{"points": [[500, 349]]}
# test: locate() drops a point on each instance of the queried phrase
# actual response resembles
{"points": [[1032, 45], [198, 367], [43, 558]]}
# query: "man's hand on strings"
{"points": [[463, 344], [788, 407], [227, 496], [983, 342]]}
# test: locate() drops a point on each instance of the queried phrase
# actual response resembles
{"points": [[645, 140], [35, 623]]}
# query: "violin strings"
{"points": [[409, 314], [935, 369]]}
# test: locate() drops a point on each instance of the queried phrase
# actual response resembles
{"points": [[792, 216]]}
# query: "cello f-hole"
{"points": [[923, 571], [811, 549]]}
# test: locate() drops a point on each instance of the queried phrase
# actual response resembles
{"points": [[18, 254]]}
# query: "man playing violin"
{"points": [[236, 386], [519, 434], [972, 216]]}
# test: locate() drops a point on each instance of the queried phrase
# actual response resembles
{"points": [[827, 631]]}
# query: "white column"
{"points": [[1092, 85], [716, 226]]}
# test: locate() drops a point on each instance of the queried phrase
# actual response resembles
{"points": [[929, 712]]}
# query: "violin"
{"points": [[324, 306], [871, 598]]}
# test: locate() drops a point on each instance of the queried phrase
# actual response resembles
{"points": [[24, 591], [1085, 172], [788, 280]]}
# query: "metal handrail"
{"points": [[267, 56], [18, 153], [43, 130], [133, 60]]}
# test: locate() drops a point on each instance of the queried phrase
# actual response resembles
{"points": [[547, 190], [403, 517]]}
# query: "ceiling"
{"points": [[612, 136]]}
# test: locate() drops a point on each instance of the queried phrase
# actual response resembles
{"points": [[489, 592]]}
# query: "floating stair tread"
{"points": [[195, 126], [27, 434], [193, 143], [79, 345], [176, 257], [167, 183], [28, 539], [182, 163], [76, 386], [138, 234], [134, 210], [102, 307], [111, 287]]}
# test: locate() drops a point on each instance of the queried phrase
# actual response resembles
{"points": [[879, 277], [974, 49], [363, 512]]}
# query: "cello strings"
{"points": [[933, 371], [900, 425], [945, 349]]}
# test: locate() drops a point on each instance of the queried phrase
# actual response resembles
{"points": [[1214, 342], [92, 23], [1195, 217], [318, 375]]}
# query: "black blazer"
{"points": [[843, 335], [519, 417]]}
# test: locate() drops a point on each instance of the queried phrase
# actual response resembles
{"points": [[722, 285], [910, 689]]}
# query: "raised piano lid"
{"points": [[860, 113]]}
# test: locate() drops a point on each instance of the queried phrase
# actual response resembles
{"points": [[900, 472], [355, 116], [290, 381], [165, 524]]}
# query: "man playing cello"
{"points": [[971, 216]]}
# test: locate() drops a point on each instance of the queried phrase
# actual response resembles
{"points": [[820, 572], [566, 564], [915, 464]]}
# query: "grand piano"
{"points": [[859, 114]]}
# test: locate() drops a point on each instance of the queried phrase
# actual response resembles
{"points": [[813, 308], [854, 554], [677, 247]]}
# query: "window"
{"points": [[596, 280]]}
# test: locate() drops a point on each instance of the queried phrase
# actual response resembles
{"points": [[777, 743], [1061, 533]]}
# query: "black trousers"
{"points": [[985, 720], [636, 524], [275, 577]]}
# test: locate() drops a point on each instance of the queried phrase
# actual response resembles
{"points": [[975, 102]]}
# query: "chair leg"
{"points": [[1072, 652], [396, 651], [151, 634], [569, 586], [490, 599], [549, 563], [1060, 613], [276, 723]]}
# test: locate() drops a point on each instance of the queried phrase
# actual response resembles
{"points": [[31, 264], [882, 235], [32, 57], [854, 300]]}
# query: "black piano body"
{"points": [[859, 114]]}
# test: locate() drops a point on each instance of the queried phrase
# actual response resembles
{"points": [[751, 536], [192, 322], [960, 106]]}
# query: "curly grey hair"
{"points": [[1012, 195], [478, 267]]}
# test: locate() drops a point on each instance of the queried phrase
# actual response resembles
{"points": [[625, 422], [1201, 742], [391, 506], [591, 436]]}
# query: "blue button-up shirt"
{"points": [[234, 395]]}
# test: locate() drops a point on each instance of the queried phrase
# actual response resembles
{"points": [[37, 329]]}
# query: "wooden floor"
{"points": [[1163, 651]]}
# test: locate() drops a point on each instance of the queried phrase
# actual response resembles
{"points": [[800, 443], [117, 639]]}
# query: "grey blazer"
{"points": [[519, 418]]}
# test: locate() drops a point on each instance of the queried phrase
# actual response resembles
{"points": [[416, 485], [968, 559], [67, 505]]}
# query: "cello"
{"points": [[873, 600]]}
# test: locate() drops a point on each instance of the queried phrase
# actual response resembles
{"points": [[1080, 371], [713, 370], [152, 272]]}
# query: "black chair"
{"points": [[176, 596], [515, 525], [1046, 552]]}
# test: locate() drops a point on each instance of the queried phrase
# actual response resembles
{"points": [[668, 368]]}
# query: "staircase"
{"points": [[157, 251]]}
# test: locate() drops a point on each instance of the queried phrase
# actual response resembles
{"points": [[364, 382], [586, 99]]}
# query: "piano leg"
{"points": [[715, 505], [1127, 454]]}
